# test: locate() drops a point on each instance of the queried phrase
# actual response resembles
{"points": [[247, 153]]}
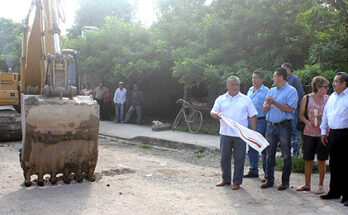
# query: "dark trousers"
{"points": [[338, 151], [101, 108], [107, 110], [279, 134], [137, 108], [236, 146]]}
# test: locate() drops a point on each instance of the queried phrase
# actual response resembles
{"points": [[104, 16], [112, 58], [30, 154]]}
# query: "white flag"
{"points": [[252, 138]]}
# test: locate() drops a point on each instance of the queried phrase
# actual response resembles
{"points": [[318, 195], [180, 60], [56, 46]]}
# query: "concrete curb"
{"points": [[162, 143]]}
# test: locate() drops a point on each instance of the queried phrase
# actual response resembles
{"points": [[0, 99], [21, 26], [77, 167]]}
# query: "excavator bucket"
{"points": [[60, 136]]}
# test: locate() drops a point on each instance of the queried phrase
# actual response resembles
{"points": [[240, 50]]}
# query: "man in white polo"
{"points": [[119, 100], [335, 119], [237, 107]]}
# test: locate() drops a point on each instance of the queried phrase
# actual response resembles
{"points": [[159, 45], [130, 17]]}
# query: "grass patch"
{"points": [[114, 140], [298, 165], [145, 146], [102, 137], [199, 155], [128, 143], [200, 149]]}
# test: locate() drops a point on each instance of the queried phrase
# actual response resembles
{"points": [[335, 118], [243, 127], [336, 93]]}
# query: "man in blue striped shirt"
{"points": [[257, 93], [280, 103]]}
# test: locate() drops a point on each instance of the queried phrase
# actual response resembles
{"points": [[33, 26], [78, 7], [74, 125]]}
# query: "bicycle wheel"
{"points": [[177, 120], [195, 120]]}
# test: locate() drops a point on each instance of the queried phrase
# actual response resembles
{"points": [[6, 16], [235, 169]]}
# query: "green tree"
{"points": [[93, 13], [10, 43]]}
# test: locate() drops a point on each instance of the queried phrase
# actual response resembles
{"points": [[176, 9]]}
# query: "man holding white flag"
{"points": [[233, 108]]}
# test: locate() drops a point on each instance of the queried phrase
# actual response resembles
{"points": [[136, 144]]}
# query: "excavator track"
{"points": [[10, 126]]}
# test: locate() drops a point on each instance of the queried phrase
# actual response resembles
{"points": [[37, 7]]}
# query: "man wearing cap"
{"points": [[119, 100]]}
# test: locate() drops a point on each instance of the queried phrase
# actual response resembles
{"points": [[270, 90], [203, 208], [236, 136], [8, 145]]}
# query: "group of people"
{"points": [[105, 99], [274, 113]]}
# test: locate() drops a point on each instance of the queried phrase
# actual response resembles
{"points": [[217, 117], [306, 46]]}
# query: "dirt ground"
{"points": [[138, 179]]}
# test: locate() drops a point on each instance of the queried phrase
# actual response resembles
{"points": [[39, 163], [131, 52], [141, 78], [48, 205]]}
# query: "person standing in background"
{"points": [[88, 91], [257, 94], [107, 104], [294, 81], [119, 100], [99, 96], [137, 100]]}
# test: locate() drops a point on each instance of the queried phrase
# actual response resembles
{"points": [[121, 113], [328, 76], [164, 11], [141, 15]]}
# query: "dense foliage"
{"points": [[10, 40], [193, 47]]}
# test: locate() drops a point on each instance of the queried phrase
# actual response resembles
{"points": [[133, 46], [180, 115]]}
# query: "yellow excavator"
{"points": [[10, 119], [59, 129]]}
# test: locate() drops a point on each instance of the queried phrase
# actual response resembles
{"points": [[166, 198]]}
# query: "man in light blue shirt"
{"points": [[257, 94], [279, 106]]}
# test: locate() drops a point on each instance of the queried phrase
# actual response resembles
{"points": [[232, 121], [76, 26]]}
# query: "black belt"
{"points": [[261, 117], [280, 123]]}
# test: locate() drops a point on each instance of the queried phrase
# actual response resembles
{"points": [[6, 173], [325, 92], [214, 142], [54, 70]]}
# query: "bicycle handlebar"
{"points": [[183, 101]]}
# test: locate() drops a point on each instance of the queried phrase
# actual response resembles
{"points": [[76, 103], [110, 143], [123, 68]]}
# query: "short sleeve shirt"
{"points": [[286, 95], [258, 98], [237, 108]]}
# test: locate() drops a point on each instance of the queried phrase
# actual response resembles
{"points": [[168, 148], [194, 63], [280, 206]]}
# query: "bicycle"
{"points": [[193, 120]]}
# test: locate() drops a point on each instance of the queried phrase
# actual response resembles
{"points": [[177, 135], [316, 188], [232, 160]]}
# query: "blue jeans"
{"points": [[119, 112], [253, 155], [295, 137], [281, 134], [130, 111], [227, 143]]}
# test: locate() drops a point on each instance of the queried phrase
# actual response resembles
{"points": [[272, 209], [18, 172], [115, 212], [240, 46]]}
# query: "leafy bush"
{"points": [[298, 165], [309, 72]]}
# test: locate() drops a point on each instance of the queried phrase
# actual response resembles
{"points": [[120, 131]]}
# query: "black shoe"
{"points": [[345, 203], [343, 200], [330, 196], [251, 175]]}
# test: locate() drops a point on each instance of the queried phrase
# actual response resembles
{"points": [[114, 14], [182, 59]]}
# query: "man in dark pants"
{"points": [[238, 107], [99, 96], [279, 106], [335, 117], [137, 100], [294, 81], [257, 94]]}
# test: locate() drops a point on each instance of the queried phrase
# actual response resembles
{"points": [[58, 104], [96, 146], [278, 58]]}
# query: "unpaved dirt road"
{"points": [[139, 180]]}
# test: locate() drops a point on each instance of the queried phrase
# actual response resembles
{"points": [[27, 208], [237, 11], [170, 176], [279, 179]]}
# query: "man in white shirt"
{"points": [[238, 107], [119, 100], [335, 118]]}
